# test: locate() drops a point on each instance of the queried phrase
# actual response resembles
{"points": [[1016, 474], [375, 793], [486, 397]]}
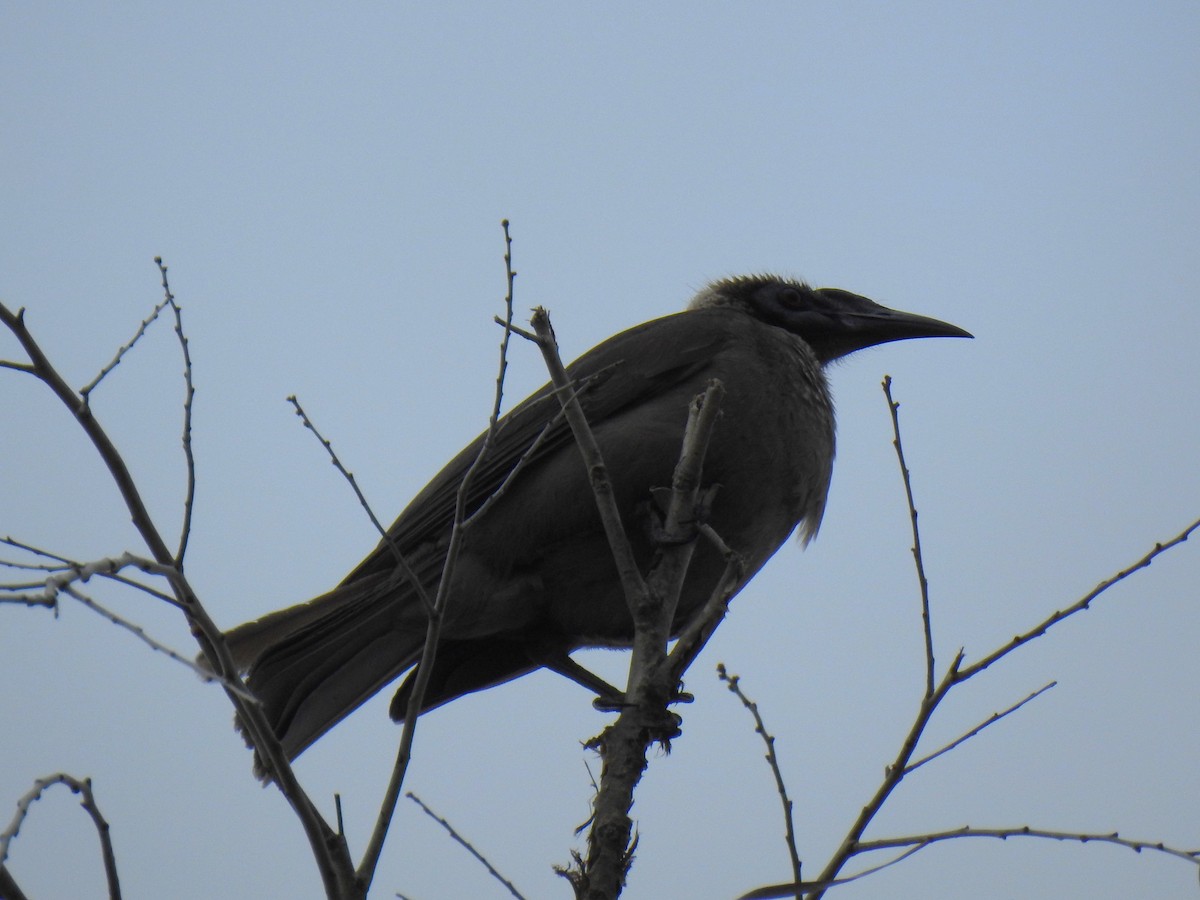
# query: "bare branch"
{"points": [[760, 728], [32, 567], [36, 551], [510, 277], [77, 404], [610, 516], [88, 802], [426, 600], [991, 720], [366, 868], [109, 568], [513, 472], [328, 849], [685, 509], [804, 888], [189, 393], [956, 674], [893, 775], [517, 329], [921, 841], [1081, 604], [915, 843], [530, 451], [63, 579], [894, 408], [140, 633], [86, 391], [644, 718], [466, 844], [702, 625], [30, 599]]}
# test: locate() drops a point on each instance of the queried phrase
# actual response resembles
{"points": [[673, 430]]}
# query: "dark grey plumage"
{"points": [[535, 579]]}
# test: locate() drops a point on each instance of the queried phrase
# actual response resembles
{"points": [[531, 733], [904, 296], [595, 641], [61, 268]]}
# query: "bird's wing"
{"points": [[624, 371]]}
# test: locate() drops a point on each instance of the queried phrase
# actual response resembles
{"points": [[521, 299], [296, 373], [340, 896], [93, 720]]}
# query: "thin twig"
{"points": [[424, 671], [140, 633], [412, 577], [36, 551], [921, 841], [688, 501], [32, 567], [702, 625], [86, 391], [466, 844], [487, 504], [517, 329], [894, 408], [109, 568], [805, 888], [16, 366], [991, 720], [760, 728], [1083, 603], [82, 787], [531, 451], [916, 843], [510, 276], [632, 583], [189, 393], [62, 581]]}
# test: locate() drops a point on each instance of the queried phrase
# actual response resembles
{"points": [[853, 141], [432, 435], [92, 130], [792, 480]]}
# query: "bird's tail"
{"points": [[313, 664]]}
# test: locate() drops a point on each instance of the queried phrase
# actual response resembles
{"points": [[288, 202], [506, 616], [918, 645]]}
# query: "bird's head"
{"points": [[831, 321]]}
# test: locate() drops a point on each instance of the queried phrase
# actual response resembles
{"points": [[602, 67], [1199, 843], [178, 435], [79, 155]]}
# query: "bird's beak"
{"points": [[894, 325], [859, 323]]}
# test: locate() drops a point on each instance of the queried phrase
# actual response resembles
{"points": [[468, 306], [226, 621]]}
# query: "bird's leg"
{"points": [[608, 698]]}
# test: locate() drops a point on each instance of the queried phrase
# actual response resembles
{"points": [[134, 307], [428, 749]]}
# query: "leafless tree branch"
{"points": [[466, 844], [366, 868], [921, 841], [956, 674], [86, 391], [631, 579], [644, 718], [991, 720], [1081, 604], [760, 728], [894, 408], [185, 529], [83, 787], [328, 848], [702, 625], [409, 574], [46, 593]]}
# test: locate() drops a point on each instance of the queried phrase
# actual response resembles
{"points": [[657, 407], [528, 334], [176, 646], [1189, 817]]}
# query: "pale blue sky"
{"points": [[327, 184]]}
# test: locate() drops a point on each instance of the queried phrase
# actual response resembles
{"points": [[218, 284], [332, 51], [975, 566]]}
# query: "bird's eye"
{"points": [[790, 297]]}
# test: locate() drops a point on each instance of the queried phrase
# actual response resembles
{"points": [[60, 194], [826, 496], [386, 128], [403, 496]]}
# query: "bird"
{"points": [[535, 579]]}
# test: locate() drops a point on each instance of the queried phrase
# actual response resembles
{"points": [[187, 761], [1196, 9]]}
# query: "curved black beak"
{"points": [[854, 322]]}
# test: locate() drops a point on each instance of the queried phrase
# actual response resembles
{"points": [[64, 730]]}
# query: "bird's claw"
{"points": [[617, 702]]}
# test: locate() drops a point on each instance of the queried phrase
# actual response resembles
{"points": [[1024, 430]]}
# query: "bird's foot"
{"points": [[656, 724], [687, 531], [616, 702]]}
